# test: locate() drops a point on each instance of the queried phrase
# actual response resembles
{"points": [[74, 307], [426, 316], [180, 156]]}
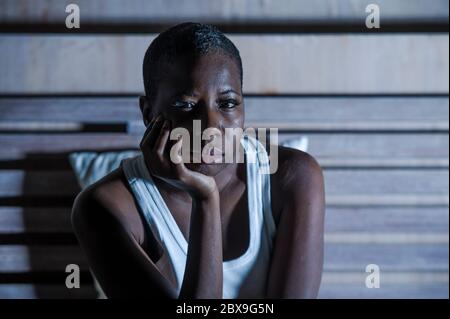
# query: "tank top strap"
{"points": [[256, 152], [151, 203]]}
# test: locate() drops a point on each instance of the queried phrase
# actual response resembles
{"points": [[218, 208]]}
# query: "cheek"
{"points": [[182, 123], [234, 122], [238, 122], [234, 119], [186, 123]]}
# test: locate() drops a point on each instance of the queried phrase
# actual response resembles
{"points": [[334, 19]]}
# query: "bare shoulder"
{"points": [[298, 179], [108, 198], [296, 168]]}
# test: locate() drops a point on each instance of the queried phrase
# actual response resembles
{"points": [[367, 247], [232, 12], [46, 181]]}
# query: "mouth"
{"points": [[213, 155]]}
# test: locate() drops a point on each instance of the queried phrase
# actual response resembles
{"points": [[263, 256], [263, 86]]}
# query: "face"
{"points": [[206, 89]]}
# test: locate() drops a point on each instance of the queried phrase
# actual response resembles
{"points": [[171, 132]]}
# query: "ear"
{"points": [[144, 105]]}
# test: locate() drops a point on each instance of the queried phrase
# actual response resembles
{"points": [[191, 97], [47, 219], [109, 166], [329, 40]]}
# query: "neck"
{"points": [[227, 175]]}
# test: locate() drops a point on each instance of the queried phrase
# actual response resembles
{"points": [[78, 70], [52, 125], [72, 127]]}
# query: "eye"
{"points": [[228, 104], [183, 105]]}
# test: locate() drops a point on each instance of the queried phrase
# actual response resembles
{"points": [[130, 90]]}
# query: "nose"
{"points": [[210, 117]]}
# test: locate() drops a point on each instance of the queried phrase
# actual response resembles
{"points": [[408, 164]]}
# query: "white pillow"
{"points": [[89, 166], [300, 143]]}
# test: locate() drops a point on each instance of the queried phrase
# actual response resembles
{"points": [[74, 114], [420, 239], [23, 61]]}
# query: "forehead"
{"points": [[213, 71]]}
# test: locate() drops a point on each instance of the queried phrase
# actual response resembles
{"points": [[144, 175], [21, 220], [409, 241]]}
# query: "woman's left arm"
{"points": [[297, 259]]}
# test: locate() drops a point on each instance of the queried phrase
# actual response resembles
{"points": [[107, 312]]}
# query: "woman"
{"points": [[161, 227]]}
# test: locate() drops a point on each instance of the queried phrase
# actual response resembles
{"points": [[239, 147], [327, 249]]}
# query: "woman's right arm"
{"points": [[119, 263], [203, 277]]}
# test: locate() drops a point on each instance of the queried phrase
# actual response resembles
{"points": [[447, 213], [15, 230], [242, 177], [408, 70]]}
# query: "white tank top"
{"points": [[243, 277]]}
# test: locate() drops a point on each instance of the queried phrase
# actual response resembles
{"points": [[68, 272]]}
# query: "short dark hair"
{"points": [[185, 39]]}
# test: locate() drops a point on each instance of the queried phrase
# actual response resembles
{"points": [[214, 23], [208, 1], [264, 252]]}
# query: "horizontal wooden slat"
{"points": [[401, 257], [360, 64], [334, 285], [384, 163], [388, 278], [387, 219], [339, 290], [17, 183], [377, 181], [287, 111], [143, 11], [357, 126], [57, 220], [327, 146], [15, 220], [395, 238], [38, 239], [392, 285], [345, 110], [378, 146], [338, 257], [386, 291], [138, 128], [42, 277], [402, 200], [73, 109], [383, 237], [20, 258], [47, 220], [337, 182], [60, 162], [18, 147], [30, 291], [37, 201]]}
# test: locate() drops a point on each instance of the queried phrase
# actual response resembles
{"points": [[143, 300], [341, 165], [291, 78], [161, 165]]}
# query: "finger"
{"points": [[147, 131], [149, 139], [161, 141], [175, 152], [182, 171], [149, 126]]}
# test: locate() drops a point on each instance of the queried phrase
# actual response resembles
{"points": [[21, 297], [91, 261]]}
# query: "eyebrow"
{"points": [[193, 94], [229, 91], [186, 93]]}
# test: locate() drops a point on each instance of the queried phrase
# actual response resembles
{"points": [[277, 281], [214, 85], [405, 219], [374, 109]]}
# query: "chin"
{"points": [[206, 168]]}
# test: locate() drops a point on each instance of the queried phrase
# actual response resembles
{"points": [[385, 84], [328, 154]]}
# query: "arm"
{"points": [[203, 277], [297, 261], [119, 263]]}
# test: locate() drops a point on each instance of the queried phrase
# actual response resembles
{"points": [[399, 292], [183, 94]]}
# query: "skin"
{"points": [[208, 201]]}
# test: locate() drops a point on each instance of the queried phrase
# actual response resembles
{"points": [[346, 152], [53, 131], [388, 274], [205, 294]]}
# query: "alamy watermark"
{"points": [[73, 17], [373, 279], [73, 279], [373, 19]]}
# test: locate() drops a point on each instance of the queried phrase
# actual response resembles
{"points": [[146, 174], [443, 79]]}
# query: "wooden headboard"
{"points": [[374, 107]]}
